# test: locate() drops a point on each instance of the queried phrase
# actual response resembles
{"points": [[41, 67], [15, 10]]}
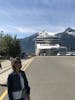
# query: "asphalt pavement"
{"points": [[51, 78]]}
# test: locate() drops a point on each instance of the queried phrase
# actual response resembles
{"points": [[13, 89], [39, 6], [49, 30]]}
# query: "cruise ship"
{"points": [[46, 45]]}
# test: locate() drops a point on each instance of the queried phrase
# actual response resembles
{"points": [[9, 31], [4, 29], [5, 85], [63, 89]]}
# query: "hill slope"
{"points": [[28, 44], [66, 38]]}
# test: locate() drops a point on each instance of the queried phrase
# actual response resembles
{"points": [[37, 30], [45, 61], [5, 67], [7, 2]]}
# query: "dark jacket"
{"points": [[14, 84]]}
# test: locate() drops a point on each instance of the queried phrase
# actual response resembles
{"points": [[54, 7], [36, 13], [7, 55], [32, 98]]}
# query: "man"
{"points": [[18, 88]]}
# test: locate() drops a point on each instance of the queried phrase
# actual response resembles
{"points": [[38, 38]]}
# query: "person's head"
{"points": [[16, 64]]}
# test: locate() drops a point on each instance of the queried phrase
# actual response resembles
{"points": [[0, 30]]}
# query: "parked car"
{"points": [[68, 54], [61, 54]]}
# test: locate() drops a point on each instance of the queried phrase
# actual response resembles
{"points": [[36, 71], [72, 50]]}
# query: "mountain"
{"points": [[28, 44], [69, 30], [67, 39]]}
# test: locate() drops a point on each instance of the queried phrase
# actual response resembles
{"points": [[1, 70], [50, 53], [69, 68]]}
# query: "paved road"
{"points": [[52, 78], [5, 71]]}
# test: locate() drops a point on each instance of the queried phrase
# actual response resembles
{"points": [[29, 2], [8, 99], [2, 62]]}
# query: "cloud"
{"points": [[25, 29], [31, 29], [30, 16], [42, 2], [37, 9]]}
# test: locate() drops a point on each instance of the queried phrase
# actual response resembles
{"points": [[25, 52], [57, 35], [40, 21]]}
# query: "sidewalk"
{"points": [[6, 69]]}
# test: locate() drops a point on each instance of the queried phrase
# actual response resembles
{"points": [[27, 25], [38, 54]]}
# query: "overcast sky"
{"points": [[24, 17]]}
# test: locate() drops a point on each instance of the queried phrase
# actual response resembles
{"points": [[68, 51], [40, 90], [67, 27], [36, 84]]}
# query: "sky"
{"points": [[25, 17]]}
